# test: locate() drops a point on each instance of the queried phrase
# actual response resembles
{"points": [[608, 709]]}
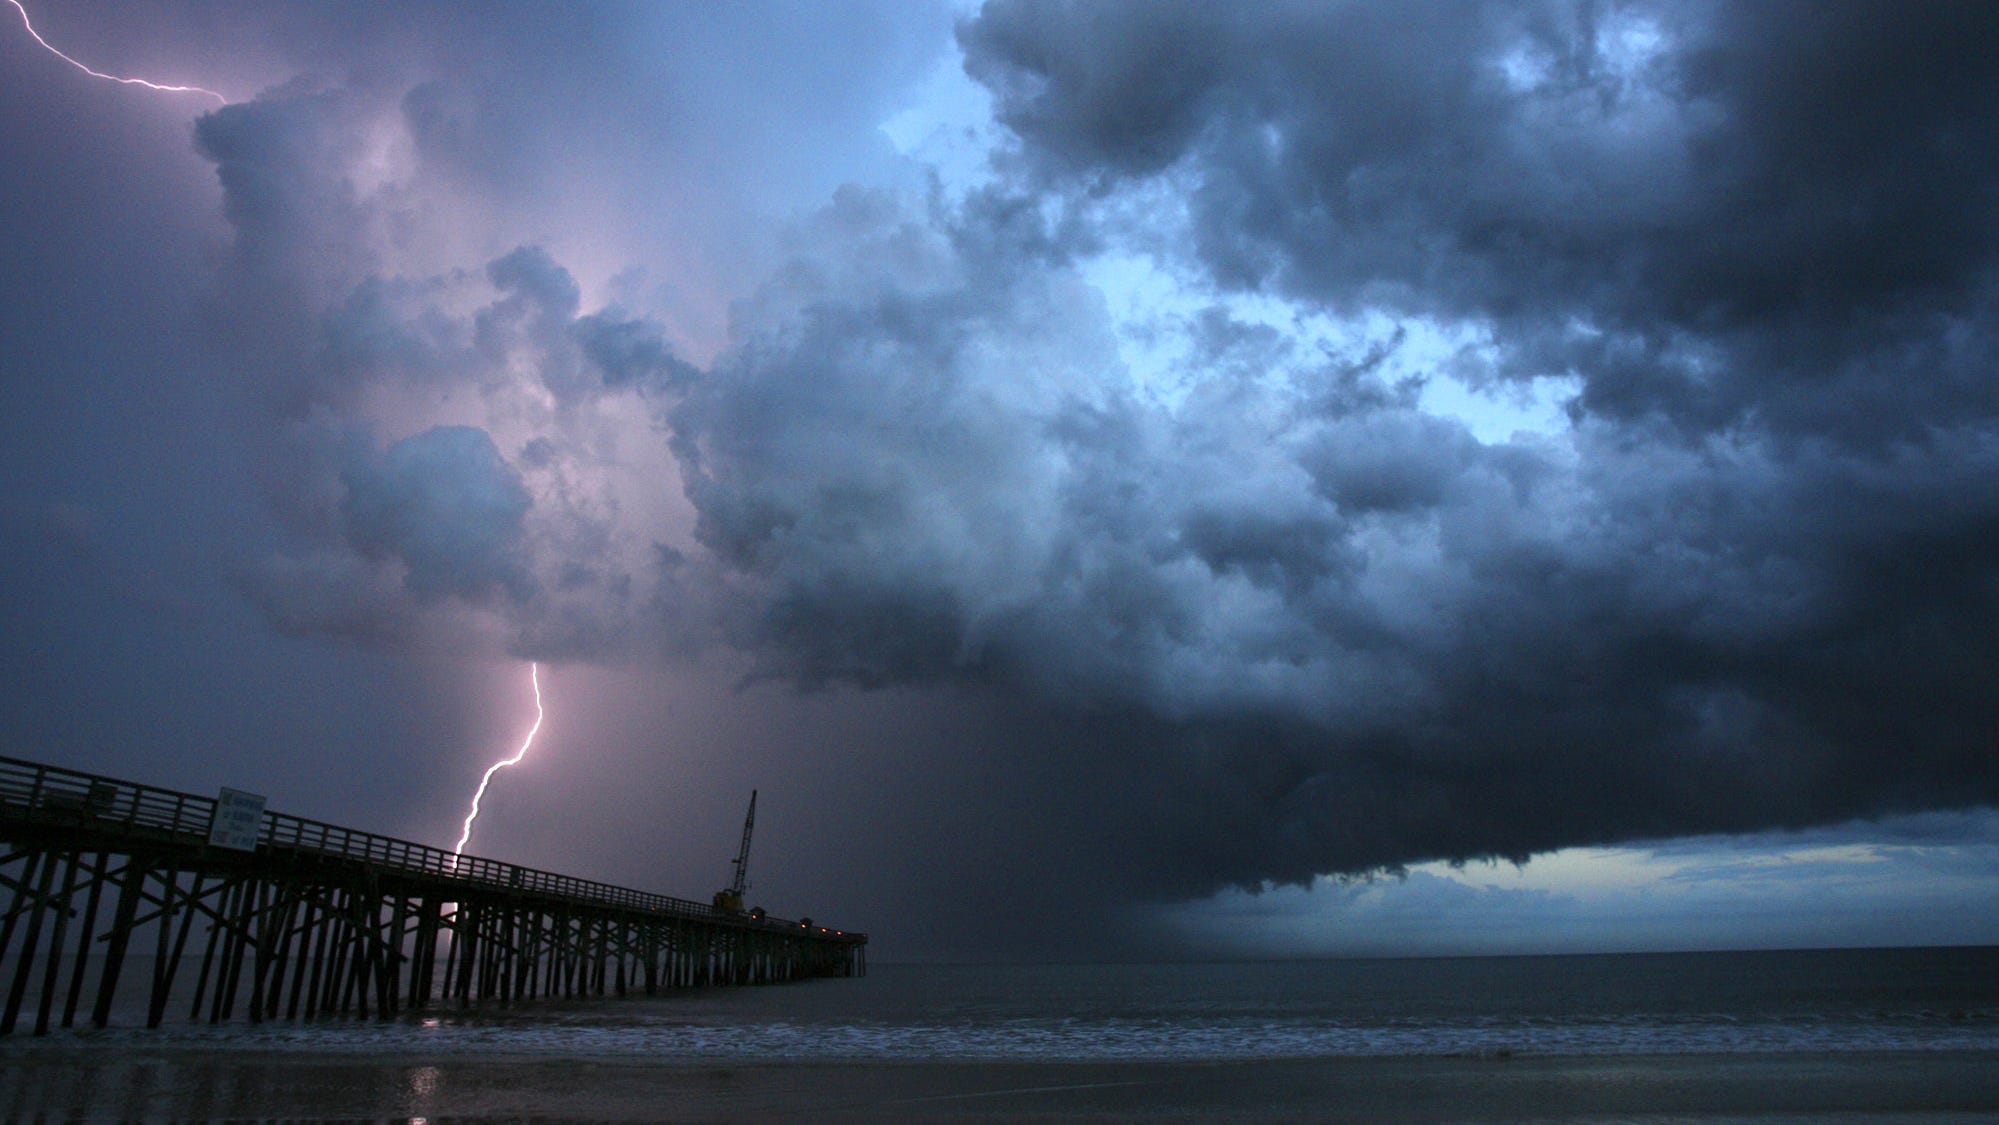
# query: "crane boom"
{"points": [[742, 882], [729, 899]]}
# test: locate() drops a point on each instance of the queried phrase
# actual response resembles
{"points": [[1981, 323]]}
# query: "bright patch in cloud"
{"points": [[1894, 883]]}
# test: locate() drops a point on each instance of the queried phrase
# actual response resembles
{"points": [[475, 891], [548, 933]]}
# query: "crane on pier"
{"points": [[729, 899]]}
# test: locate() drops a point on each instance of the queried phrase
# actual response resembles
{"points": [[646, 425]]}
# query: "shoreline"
{"points": [[184, 1082]]}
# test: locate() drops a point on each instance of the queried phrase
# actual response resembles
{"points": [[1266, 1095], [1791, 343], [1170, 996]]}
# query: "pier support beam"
{"points": [[328, 921]]}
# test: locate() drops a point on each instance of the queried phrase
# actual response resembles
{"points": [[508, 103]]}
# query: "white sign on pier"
{"points": [[238, 815]]}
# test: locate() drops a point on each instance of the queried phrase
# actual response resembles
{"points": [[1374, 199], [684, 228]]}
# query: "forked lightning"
{"points": [[163, 88]]}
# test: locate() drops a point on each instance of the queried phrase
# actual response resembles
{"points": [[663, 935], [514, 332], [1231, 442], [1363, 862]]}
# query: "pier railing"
{"points": [[65, 797], [309, 918]]}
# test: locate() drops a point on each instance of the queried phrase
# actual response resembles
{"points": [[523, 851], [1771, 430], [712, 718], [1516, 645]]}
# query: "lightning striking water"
{"points": [[50, 47], [534, 677]]}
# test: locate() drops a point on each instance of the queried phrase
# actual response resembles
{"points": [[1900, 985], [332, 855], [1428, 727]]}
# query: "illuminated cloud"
{"points": [[444, 504]]}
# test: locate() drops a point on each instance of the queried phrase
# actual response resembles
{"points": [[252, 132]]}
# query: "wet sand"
{"points": [[83, 1083]]}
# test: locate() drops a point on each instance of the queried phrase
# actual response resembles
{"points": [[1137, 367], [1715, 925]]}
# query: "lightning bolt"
{"points": [[534, 677], [50, 47]]}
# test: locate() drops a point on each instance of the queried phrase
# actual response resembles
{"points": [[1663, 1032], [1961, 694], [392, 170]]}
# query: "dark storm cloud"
{"points": [[1315, 628], [1713, 212], [1285, 621]]}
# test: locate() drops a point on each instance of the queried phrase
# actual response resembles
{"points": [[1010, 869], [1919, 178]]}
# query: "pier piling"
{"points": [[331, 921]]}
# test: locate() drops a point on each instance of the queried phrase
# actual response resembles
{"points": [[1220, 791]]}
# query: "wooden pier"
{"points": [[298, 919]]}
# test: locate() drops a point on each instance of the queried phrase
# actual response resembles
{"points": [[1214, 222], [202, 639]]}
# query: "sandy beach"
{"points": [[74, 1083]]}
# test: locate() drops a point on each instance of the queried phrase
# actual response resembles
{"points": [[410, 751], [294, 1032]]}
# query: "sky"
{"points": [[1120, 480]]}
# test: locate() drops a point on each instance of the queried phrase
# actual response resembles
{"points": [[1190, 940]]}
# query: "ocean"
{"points": [[1822, 1004], [1640, 1003]]}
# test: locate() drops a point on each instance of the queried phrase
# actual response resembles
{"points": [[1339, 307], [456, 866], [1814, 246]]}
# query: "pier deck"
{"points": [[316, 919]]}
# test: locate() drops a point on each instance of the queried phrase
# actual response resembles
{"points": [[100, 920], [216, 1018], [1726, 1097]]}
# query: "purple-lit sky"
{"points": [[1121, 480]]}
